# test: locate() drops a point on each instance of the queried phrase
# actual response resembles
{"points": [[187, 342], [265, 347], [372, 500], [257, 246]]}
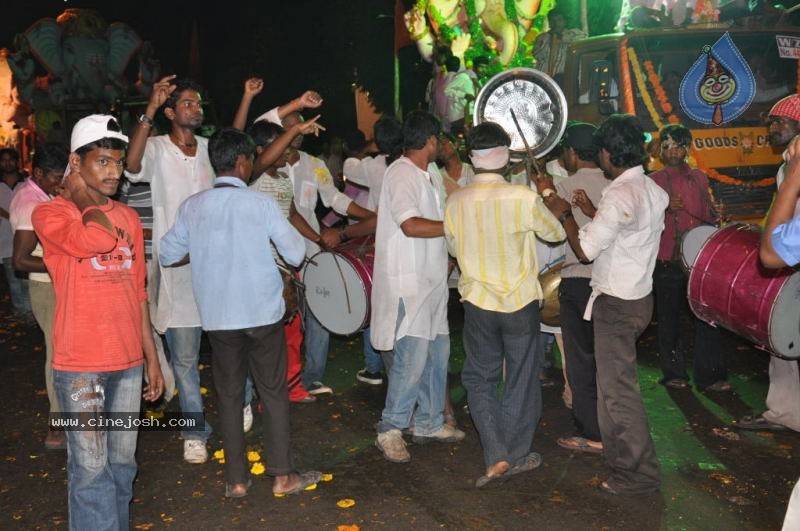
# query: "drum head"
{"points": [[691, 244], [784, 322], [335, 293]]}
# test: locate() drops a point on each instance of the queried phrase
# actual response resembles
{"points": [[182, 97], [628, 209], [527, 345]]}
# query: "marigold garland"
{"points": [[645, 94]]}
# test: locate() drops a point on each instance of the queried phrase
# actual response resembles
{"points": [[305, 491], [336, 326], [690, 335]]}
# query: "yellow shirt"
{"points": [[491, 227]]}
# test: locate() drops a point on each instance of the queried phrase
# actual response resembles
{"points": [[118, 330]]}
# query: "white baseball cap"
{"points": [[93, 128]]}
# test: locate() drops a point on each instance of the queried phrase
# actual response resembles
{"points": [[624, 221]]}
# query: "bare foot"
{"points": [[295, 483], [497, 469]]}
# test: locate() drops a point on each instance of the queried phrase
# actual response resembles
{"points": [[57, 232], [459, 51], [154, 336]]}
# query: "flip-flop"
{"points": [[677, 383], [308, 481], [721, 387], [485, 479], [578, 444], [758, 422], [230, 493], [526, 464]]}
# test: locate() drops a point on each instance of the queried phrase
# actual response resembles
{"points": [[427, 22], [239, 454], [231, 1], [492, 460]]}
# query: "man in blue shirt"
{"points": [[239, 292], [780, 247]]}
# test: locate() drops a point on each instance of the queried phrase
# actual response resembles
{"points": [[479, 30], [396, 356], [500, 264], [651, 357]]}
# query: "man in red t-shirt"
{"points": [[94, 251]]}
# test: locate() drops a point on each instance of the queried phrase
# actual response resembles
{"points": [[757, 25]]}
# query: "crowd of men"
{"points": [[93, 287]]}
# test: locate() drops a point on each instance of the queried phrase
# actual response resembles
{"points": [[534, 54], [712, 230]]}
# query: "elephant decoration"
{"points": [[504, 30], [84, 55]]}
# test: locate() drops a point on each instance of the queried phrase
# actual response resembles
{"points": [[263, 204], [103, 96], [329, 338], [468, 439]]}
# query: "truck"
{"points": [[640, 72]]}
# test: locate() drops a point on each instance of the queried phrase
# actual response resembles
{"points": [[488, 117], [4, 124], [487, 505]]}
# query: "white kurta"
{"points": [[173, 177], [408, 270]]}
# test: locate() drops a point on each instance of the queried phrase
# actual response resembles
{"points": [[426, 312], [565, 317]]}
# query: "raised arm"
{"points": [[273, 152], [138, 140], [308, 100], [252, 87]]}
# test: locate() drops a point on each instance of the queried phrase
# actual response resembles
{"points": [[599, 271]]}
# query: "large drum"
{"points": [[339, 285], [691, 243], [728, 287]]}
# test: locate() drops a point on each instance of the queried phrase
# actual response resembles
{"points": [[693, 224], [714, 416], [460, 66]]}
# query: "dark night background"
{"points": [[328, 46]]}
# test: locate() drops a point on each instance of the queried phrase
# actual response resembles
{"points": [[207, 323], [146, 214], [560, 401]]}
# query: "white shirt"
{"points": [[408, 270], [624, 235], [593, 181], [173, 177], [367, 172], [310, 176]]}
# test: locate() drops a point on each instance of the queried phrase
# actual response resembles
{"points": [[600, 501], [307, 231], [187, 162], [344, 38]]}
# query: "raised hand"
{"points": [[253, 86], [161, 91], [309, 100], [310, 127]]}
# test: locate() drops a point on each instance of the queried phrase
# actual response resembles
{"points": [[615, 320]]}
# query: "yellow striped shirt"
{"points": [[491, 227]]}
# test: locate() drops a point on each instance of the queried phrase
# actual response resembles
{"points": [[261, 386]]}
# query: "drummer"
{"points": [[689, 206], [783, 397]]}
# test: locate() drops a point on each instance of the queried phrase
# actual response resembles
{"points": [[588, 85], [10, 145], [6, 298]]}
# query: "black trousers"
{"points": [[573, 295], [263, 350], [669, 284]]}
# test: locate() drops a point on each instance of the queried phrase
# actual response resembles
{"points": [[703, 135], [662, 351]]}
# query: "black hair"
{"points": [[353, 141], [679, 133], [51, 156], [452, 64], [10, 152], [623, 137], [418, 128], [103, 143], [181, 85], [388, 132], [587, 153], [226, 145], [487, 135], [264, 133]]}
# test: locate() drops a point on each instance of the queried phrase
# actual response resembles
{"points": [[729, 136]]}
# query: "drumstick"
{"points": [[527, 147]]}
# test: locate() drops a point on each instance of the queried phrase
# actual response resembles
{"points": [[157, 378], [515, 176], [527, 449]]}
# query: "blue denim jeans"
{"points": [[506, 424], [418, 377], [184, 351], [17, 287], [373, 361], [101, 465], [316, 342]]}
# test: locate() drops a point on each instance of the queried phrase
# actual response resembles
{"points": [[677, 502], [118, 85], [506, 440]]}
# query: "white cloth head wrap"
{"points": [[490, 158]]}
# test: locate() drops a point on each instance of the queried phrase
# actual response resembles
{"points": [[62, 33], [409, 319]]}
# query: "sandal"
{"points": [[579, 444], [526, 464], [758, 422], [721, 386], [677, 383], [236, 491], [308, 481], [486, 478]]}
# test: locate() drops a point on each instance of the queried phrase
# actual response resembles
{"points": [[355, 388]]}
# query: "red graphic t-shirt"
{"points": [[99, 282]]}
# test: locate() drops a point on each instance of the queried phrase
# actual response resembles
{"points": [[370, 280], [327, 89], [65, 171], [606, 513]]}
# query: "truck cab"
{"points": [[640, 73]]}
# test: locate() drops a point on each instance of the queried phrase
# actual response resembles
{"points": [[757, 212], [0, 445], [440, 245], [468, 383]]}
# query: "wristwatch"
{"points": [[144, 119], [547, 192]]}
